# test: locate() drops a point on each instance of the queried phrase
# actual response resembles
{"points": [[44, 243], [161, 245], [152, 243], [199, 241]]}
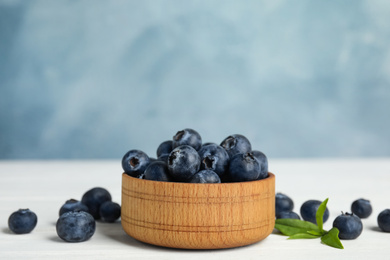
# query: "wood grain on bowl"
{"points": [[198, 215]]}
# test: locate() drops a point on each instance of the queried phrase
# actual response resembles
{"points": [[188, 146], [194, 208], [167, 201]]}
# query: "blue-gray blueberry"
{"points": [[134, 162], [110, 211], [288, 214], [283, 203], [73, 205], [263, 161], [95, 197], [189, 137], [183, 163], [214, 157], [205, 176], [349, 225], [157, 171], [235, 144], [22, 221], [75, 226], [384, 220], [244, 167], [362, 208], [309, 210]]}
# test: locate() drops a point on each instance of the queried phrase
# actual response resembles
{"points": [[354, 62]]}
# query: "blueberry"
{"points": [[187, 137], [349, 225], [110, 211], [214, 157], [22, 221], [205, 176], [263, 161], [309, 210], [134, 162], [235, 144], [288, 214], [94, 198], [384, 220], [157, 171], [75, 226], [183, 162], [283, 203], [362, 208], [164, 149], [73, 205], [244, 167]]}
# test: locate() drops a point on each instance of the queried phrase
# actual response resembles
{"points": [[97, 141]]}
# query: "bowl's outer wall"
{"points": [[198, 216]]}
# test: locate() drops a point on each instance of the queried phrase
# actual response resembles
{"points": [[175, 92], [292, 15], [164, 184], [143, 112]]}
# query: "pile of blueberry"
{"points": [[349, 225], [186, 159], [76, 221]]}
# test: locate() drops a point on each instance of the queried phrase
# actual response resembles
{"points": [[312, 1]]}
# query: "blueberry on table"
{"points": [[283, 203], [187, 137], [349, 225], [235, 144], [263, 161], [287, 214], [22, 221], [362, 208], [164, 149], [205, 176], [134, 162], [244, 167], [73, 205], [75, 226], [384, 220], [183, 163], [309, 210], [214, 157], [110, 211], [157, 171], [94, 198]]}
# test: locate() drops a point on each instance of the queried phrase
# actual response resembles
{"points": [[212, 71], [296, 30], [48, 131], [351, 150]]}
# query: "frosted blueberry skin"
{"points": [[75, 226], [187, 137], [283, 203], [288, 214], [94, 198], [73, 205], [362, 208], [164, 149], [384, 220], [183, 163], [110, 211], [263, 161], [309, 210], [205, 176], [214, 157], [349, 225], [22, 221], [244, 167], [157, 171], [134, 162], [235, 144]]}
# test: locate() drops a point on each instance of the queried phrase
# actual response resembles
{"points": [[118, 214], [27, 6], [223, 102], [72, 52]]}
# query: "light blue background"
{"points": [[94, 79]]}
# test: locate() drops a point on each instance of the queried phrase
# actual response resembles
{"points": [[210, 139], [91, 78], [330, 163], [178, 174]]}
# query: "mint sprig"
{"points": [[300, 229]]}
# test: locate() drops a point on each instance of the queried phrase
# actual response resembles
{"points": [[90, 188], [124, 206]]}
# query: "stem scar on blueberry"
{"points": [[178, 136], [171, 158], [134, 162], [230, 142], [208, 162]]}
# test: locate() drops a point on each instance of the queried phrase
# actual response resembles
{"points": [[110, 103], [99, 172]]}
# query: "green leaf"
{"points": [[291, 227], [332, 238], [316, 233], [304, 236], [320, 213]]}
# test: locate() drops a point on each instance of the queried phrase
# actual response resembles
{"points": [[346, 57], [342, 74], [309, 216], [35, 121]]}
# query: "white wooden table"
{"points": [[43, 186]]}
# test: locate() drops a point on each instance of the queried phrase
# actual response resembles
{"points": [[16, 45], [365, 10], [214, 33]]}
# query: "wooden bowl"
{"points": [[198, 215]]}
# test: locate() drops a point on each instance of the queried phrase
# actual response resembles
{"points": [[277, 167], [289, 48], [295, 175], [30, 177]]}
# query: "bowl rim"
{"points": [[268, 178]]}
